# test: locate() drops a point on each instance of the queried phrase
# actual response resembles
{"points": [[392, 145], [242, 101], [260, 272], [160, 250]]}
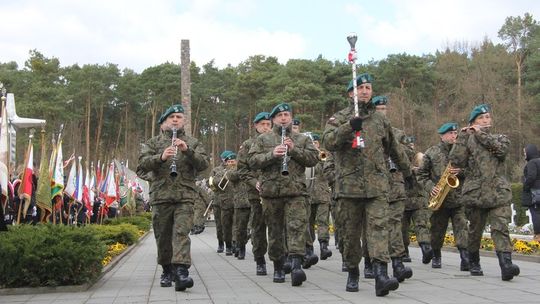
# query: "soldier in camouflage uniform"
{"points": [[199, 208], [486, 191], [259, 242], [434, 164], [319, 198], [227, 202], [242, 209], [171, 197], [361, 184], [416, 210], [218, 197], [396, 202], [283, 195]]}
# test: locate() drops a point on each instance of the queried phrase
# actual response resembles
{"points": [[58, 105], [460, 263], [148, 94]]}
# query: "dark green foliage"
{"points": [[49, 255], [110, 234], [520, 218], [142, 222]]}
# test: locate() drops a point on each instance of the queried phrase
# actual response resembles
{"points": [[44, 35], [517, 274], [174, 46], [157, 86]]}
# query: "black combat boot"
{"points": [[297, 274], [167, 276], [220, 247], [261, 266], [407, 257], [279, 273], [228, 248], [368, 269], [474, 263], [383, 284], [182, 280], [464, 255], [508, 270], [242, 252], [310, 258], [400, 271], [325, 252], [436, 262], [236, 249], [287, 264], [352, 279], [427, 252]]}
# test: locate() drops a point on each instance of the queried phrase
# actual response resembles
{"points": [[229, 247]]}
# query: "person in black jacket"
{"points": [[531, 187]]}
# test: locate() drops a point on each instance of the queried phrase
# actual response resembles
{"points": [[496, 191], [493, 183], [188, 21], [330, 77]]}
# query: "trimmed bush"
{"points": [[111, 234], [49, 255], [142, 222], [520, 218]]}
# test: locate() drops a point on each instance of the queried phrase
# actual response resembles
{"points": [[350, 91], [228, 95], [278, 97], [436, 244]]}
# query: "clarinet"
{"points": [[284, 162], [173, 164]]}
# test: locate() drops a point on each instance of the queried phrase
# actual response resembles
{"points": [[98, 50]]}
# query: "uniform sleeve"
{"points": [[149, 159], [336, 134], [197, 156], [259, 157], [498, 145], [244, 170], [306, 155], [329, 170], [459, 155], [396, 153], [424, 173]]}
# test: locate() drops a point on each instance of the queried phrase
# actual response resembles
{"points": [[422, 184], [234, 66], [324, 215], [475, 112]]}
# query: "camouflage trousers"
{"points": [[499, 218], [363, 215], [258, 229], [439, 224], [289, 212], [395, 237], [240, 230], [319, 215], [337, 229], [217, 219], [172, 223], [420, 218], [227, 219], [198, 212]]}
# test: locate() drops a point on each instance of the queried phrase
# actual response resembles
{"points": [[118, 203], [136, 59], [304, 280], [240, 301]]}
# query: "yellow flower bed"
{"points": [[520, 246], [112, 251]]}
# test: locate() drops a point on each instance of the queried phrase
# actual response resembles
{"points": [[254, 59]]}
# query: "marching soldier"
{"points": [[172, 197], [219, 196], [486, 191], [282, 157], [242, 210], [434, 164], [259, 242], [199, 208], [362, 181], [227, 201]]}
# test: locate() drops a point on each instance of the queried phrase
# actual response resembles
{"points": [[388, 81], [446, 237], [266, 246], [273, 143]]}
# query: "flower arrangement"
{"points": [[112, 251]]}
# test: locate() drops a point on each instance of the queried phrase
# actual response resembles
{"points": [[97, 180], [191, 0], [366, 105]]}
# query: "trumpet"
{"points": [[323, 156], [173, 164]]}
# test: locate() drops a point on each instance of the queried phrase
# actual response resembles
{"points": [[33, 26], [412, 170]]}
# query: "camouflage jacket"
{"points": [[273, 183], [482, 155], [435, 162], [239, 189], [163, 187], [247, 174], [363, 173], [397, 185], [417, 197], [319, 191], [223, 198]]}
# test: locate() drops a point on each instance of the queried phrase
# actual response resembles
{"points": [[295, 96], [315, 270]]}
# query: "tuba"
{"points": [[447, 181]]}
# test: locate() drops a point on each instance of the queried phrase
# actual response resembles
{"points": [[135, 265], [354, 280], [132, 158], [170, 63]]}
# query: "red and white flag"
{"points": [[25, 189], [110, 188]]}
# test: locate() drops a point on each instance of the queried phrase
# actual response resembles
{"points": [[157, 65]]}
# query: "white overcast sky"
{"points": [[138, 34]]}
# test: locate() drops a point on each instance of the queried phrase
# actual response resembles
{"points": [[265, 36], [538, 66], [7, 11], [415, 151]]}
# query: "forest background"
{"points": [[108, 112]]}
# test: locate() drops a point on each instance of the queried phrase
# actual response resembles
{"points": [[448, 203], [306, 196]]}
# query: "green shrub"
{"points": [[520, 218], [142, 222], [110, 234], [49, 255]]}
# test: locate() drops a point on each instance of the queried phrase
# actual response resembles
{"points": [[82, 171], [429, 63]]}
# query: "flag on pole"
{"points": [[79, 181], [43, 192], [25, 189], [57, 186], [86, 193], [71, 183], [110, 189], [4, 156]]}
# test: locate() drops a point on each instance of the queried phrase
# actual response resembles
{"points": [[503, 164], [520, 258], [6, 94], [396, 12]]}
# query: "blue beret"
{"points": [[449, 126], [177, 108], [261, 116], [230, 156], [379, 100], [479, 109], [224, 154], [296, 121], [315, 137], [360, 79], [282, 107]]}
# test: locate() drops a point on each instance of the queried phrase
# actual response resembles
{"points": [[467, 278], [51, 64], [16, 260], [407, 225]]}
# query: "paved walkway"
{"points": [[224, 279]]}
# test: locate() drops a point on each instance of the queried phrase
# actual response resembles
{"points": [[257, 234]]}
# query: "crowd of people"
{"points": [[281, 186]]}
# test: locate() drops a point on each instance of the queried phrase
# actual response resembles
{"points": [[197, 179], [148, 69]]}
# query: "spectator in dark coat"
{"points": [[531, 187]]}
